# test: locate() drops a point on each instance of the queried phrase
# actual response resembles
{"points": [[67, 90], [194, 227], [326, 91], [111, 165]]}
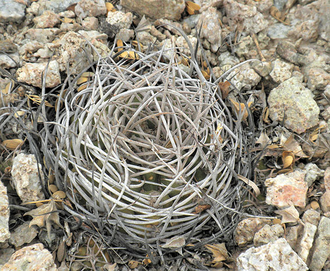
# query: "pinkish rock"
{"points": [[287, 189], [168, 9], [90, 8], [47, 20], [32, 73], [325, 201], [327, 178]]}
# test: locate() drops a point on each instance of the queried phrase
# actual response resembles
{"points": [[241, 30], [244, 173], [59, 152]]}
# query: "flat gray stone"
{"points": [[11, 11]]}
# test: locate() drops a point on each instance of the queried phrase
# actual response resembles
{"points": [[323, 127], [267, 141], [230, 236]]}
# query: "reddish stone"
{"points": [[287, 189]]}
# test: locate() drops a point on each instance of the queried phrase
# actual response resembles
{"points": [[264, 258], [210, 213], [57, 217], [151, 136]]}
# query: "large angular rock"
{"points": [[321, 251], [33, 257], [295, 103], [287, 189], [90, 8], [169, 9], [276, 255], [32, 73], [25, 174], [211, 29], [244, 17], [247, 228], [11, 11], [4, 214]]}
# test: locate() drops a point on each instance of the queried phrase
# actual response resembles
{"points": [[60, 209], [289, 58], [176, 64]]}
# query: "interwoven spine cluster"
{"points": [[149, 151]]}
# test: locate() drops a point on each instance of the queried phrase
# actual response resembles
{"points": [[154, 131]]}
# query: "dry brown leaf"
{"points": [[82, 87], [315, 134], [315, 205], [289, 215], [129, 55], [218, 132], [61, 251], [59, 195], [192, 8], [8, 99], [52, 188], [133, 264], [250, 183], [287, 158], [206, 73], [137, 45], [12, 144], [273, 147], [313, 137], [201, 208], [293, 146], [82, 79], [219, 252], [72, 7], [276, 221], [175, 242], [45, 215], [265, 115], [263, 140], [120, 44], [19, 114], [224, 87], [278, 15], [87, 74], [284, 170], [184, 61], [36, 99], [9, 87], [67, 20], [146, 261], [110, 7], [240, 107], [110, 267]]}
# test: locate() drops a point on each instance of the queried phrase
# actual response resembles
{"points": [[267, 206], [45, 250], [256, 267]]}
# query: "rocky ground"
{"points": [[286, 86]]}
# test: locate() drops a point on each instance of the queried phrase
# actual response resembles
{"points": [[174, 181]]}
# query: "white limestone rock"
{"points": [[25, 177], [276, 255], [4, 214]]}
